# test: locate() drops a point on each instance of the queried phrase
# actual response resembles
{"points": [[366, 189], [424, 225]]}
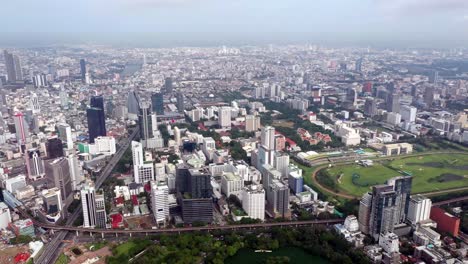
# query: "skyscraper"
{"points": [[159, 202], [101, 216], [168, 84], [88, 201], [58, 175], [224, 117], [157, 101], [370, 107], [393, 103], [145, 121], [253, 202], [252, 123], [35, 106], [358, 66], [433, 77], [268, 137], [13, 67], [429, 96], [54, 148], [65, 134], [200, 184], [22, 128], [96, 118], [133, 105], [36, 164], [83, 70], [180, 102]]}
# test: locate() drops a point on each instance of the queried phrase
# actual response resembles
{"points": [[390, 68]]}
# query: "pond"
{"points": [[295, 255]]}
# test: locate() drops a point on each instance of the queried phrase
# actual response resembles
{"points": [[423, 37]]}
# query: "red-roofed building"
{"points": [[117, 220], [135, 200], [119, 201], [22, 257]]}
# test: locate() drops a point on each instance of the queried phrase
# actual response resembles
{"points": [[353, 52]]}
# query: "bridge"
{"points": [[454, 200], [51, 251]]}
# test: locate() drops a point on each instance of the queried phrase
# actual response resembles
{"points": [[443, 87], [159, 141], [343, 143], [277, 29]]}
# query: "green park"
{"points": [[431, 173]]}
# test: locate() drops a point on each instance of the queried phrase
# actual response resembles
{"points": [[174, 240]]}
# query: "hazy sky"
{"points": [[404, 22]]}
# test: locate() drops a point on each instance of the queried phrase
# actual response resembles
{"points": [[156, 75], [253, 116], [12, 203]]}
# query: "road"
{"points": [[51, 251], [351, 160]]}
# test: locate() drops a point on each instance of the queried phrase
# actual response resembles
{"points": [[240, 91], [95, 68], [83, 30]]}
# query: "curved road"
{"points": [[349, 196]]}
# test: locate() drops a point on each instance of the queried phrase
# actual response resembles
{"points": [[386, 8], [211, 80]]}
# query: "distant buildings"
{"points": [[252, 123], [224, 117], [83, 70], [13, 67], [157, 102]]}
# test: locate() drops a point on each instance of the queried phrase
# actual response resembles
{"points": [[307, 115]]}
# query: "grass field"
{"points": [[430, 173], [283, 123]]}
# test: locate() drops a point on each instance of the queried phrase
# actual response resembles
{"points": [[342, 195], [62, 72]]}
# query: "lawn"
{"points": [[283, 123], [430, 173], [124, 248], [62, 259]]}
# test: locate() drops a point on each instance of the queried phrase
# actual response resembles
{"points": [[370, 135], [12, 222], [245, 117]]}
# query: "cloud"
{"points": [[422, 6], [160, 3]]}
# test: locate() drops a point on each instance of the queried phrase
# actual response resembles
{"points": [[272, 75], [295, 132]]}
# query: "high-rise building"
{"points": [[433, 77], [21, 128], [168, 85], [137, 153], [65, 135], [358, 65], [252, 123], [408, 113], [58, 175], [133, 105], [76, 172], [52, 200], [402, 186], [370, 107], [96, 118], [200, 184], [36, 165], [54, 148], [88, 202], [419, 209], [180, 102], [393, 103], [101, 215], [83, 70], [281, 163], [365, 207], [5, 216], [231, 184], [13, 67], [429, 96], [35, 106], [268, 137], [177, 137], [224, 117], [278, 199], [253, 202], [145, 121], [157, 102], [159, 202], [143, 172], [40, 80], [384, 208]]}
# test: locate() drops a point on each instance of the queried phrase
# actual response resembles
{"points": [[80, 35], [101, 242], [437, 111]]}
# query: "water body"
{"points": [[130, 69], [295, 255]]}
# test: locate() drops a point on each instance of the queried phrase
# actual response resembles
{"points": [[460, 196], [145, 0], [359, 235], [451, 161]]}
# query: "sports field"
{"points": [[430, 173]]}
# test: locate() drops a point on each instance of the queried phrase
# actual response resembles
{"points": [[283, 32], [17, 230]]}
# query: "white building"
{"points": [[103, 145], [5, 216], [389, 242], [393, 118], [419, 209], [76, 172], [88, 202], [13, 184], [177, 137], [253, 202], [268, 137], [144, 173], [160, 202], [281, 163], [224, 117], [351, 223], [231, 184], [408, 113], [349, 136], [252, 123], [65, 134], [137, 153], [160, 172]]}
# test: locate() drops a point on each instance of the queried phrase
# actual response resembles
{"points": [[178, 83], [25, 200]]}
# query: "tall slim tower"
{"points": [[13, 67], [268, 137], [224, 117], [83, 70], [159, 202], [168, 84], [21, 127], [88, 201], [180, 102], [157, 101], [133, 105], [145, 121], [36, 164], [96, 118]]}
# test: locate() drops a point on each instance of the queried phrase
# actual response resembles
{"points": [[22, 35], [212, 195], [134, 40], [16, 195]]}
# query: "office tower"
{"points": [[196, 210], [168, 85], [21, 128], [295, 182], [145, 121], [133, 105], [358, 66], [402, 187], [393, 103], [259, 92], [200, 184], [365, 207], [384, 208], [83, 70], [414, 90], [370, 107], [252, 123], [143, 172], [419, 209], [183, 179], [429, 96], [76, 172], [224, 117], [159, 202], [433, 77], [13, 67], [65, 135], [268, 137], [54, 148], [63, 99], [177, 137], [36, 164], [253, 202], [180, 103], [281, 163], [88, 202], [101, 216], [408, 113], [58, 175], [52, 200], [5, 216], [231, 184], [278, 199], [96, 118], [391, 87], [157, 101], [40, 80], [36, 108], [137, 153]]}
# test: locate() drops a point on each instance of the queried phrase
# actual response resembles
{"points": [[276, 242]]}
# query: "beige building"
{"points": [[397, 149]]}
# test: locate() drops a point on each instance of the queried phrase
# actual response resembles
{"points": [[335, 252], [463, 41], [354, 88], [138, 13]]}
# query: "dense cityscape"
{"points": [[118, 154]]}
